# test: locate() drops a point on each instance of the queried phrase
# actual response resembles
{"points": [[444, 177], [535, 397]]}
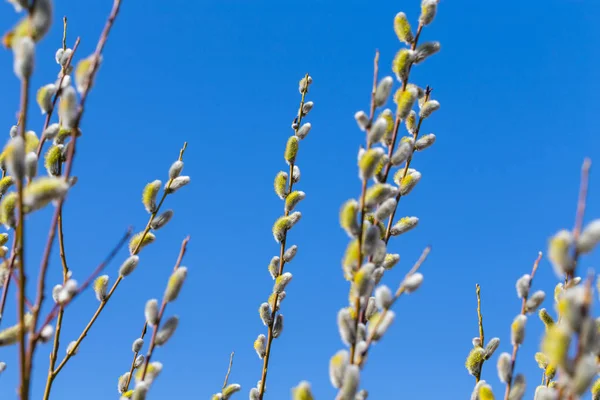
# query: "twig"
{"points": [[162, 311], [363, 194], [228, 369], [61, 241], [290, 186], [120, 278], [135, 356], [390, 223], [513, 358], [58, 92], [20, 238], [397, 295], [480, 322], [122, 241], [397, 121]]}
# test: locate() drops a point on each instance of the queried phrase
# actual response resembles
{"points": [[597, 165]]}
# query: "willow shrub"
{"points": [[569, 352]]}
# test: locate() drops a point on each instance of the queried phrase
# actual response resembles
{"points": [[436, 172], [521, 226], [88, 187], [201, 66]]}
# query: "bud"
{"points": [[403, 152], [424, 142], [303, 131], [24, 57], [383, 90], [175, 283], [362, 120], [129, 265], [137, 345], [44, 97], [403, 29], [426, 50], [175, 169], [166, 331], [383, 297], [151, 312], [428, 11], [504, 367], [517, 330], [161, 220], [405, 99], [100, 286], [522, 285], [378, 130], [412, 282], [589, 238]]}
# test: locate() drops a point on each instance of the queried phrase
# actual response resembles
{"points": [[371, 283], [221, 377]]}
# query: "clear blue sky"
{"points": [[517, 82]]}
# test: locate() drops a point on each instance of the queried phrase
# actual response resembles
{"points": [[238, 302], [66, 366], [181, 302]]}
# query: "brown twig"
{"points": [[120, 278], [290, 185], [58, 309], [58, 92], [397, 120], [513, 358], [163, 306], [20, 238], [135, 356], [390, 223], [363, 194], [397, 295], [228, 369], [480, 323]]}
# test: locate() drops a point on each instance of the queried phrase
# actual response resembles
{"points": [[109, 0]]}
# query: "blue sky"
{"points": [[517, 82]]}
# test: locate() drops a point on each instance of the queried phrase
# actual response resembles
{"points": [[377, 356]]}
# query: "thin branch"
{"points": [[135, 356], [390, 223], [290, 186], [24, 374], [113, 253], [228, 369], [513, 358], [45, 260], [120, 278], [162, 311], [401, 290], [480, 323], [363, 194], [58, 93]]}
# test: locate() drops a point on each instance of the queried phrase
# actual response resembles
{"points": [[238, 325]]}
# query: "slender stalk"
{"points": [[58, 92], [161, 313], [61, 241], [363, 194], [390, 223], [290, 185], [397, 295], [480, 323], [228, 370], [24, 370], [120, 278], [513, 358], [71, 153], [61, 311], [135, 355], [398, 121], [11, 265]]}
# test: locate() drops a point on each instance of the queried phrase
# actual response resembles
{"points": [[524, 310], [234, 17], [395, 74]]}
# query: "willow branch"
{"points": [[401, 290], [363, 194], [290, 185], [480, 323], [513, 358], [120, 278], [161, 313]]}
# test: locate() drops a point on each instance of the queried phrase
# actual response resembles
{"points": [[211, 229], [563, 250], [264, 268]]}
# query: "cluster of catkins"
{"points": [[284, 183], [369, 220], [563, 375]]}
